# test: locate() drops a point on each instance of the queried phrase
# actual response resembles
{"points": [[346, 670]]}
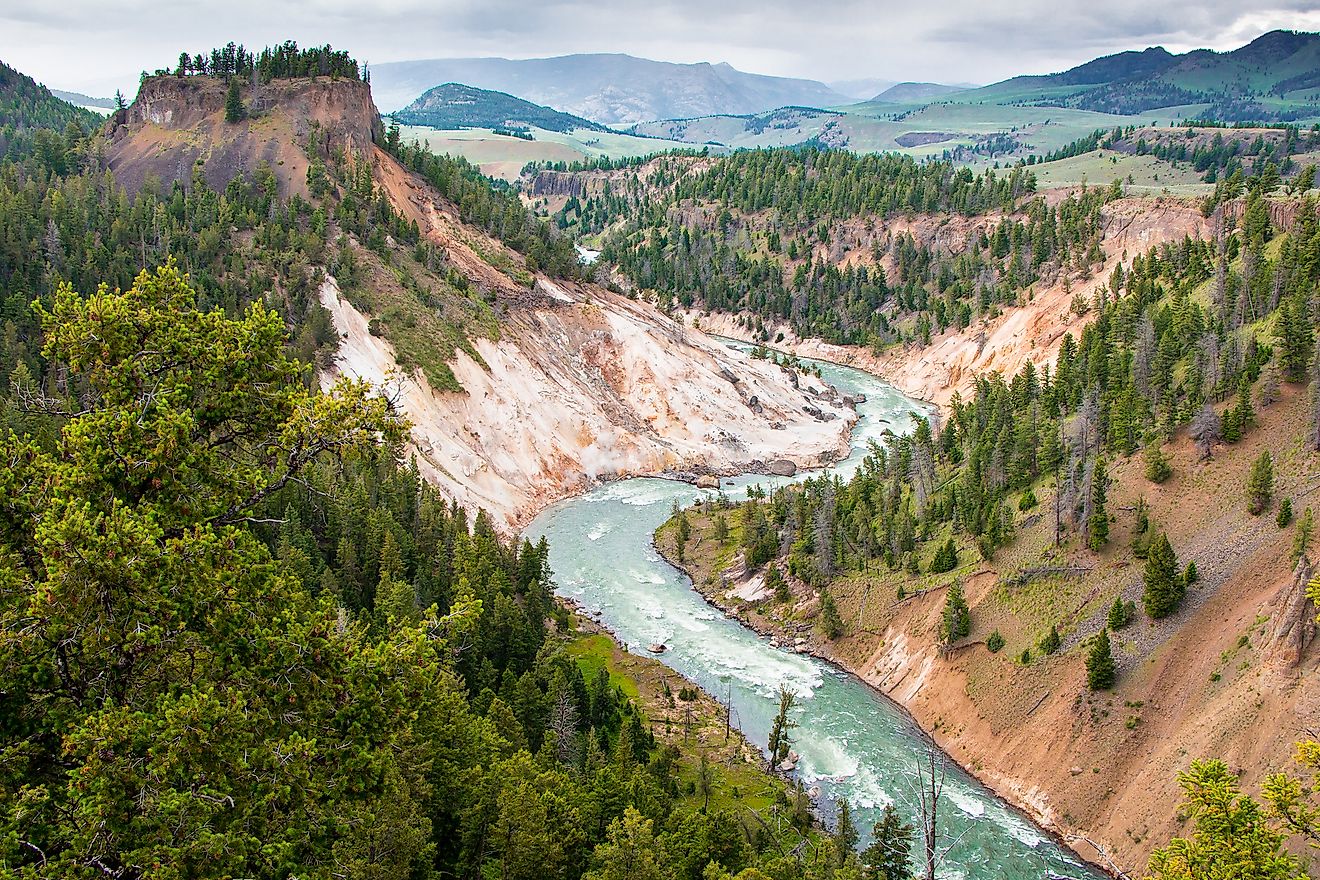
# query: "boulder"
{"points": [[706, 481], [782, 467]]}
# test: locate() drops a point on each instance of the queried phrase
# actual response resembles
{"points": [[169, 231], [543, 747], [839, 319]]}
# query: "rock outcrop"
{"points": [[1293, 622], [177, 122]]}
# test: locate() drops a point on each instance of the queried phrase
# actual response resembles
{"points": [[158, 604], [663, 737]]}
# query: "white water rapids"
{"points": [[853, 742]]}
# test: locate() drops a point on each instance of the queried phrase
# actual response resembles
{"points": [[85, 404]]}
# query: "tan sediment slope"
{"points": [[1234, 674], [591, 386]]}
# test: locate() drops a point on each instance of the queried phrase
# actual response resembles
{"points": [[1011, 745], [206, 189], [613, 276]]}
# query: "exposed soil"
{"points": [[1227, 676]]}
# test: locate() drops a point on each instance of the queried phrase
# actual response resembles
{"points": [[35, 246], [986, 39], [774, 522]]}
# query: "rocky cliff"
{"points": [[177, 122]]}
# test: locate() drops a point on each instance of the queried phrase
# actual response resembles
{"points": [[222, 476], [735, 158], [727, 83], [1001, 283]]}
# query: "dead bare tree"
{"points": [[930, 778]]}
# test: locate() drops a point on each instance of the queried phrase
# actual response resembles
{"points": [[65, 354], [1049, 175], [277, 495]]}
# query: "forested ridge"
{"points": [[763, 233], [1192, 336], [32, 119]]}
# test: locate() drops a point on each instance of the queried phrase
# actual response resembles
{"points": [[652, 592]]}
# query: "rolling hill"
{"points": [[913, 92], [454, 106], [609, 89], [1273, 79]]}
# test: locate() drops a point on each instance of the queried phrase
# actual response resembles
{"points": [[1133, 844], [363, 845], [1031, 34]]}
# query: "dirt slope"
{"points": [[588, 388], [567, 384], [1234, 674]]}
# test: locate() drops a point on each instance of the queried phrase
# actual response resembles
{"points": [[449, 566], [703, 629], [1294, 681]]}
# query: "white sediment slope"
{"points": [[578, 392]]}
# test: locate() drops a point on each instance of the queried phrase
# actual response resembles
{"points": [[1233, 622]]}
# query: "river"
{"points": [[853, 742]]}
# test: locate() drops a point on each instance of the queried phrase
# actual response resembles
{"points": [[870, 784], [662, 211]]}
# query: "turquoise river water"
{"points": [[853, 742]]}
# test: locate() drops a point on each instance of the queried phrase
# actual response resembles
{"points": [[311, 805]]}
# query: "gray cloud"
{"points": [[96, 46]]}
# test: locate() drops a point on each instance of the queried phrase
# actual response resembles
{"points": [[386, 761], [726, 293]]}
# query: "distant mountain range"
{"points": [[609, 89], [27, 104], [78, 99], [1276, 77], [454, 105]]}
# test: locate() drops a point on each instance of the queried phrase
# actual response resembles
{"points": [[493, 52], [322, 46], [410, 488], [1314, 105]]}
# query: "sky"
{"points": [[96, 46]]}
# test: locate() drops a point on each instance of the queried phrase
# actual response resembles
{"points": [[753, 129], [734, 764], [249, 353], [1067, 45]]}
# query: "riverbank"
{"points": [[711, 578], [1218, 679], [695, 723]]}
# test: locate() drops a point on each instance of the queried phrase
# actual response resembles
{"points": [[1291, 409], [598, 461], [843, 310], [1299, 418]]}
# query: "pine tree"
{"points": [[956, 622], [831, 625], [1164, 589], [780, 739], [234, 111], [945, 558], [1051, 641], [1100, 671], [1120, 614], [1241, 417], [1285, 513], [845, 833], [1097, 525], [1293, 329], [1302, 537], [774, 582], [888, 857], [1260, 485], [1157, 464]]}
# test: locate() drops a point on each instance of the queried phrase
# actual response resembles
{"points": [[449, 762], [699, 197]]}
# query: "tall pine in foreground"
{"points": [[887, 858]]}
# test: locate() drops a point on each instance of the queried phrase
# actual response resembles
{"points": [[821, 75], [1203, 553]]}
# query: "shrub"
{"points": [[1285, 513], [1120, 613], [1027, 501], [1051, 641], [945, 559], [995, 643]]}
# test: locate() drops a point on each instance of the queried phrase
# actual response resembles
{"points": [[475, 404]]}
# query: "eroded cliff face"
{"points": [[590, 386], [1031, 332], [176, 122]]}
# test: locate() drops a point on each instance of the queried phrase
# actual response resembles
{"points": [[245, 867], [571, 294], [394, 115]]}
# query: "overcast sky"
{"points": [[95, 46]]}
